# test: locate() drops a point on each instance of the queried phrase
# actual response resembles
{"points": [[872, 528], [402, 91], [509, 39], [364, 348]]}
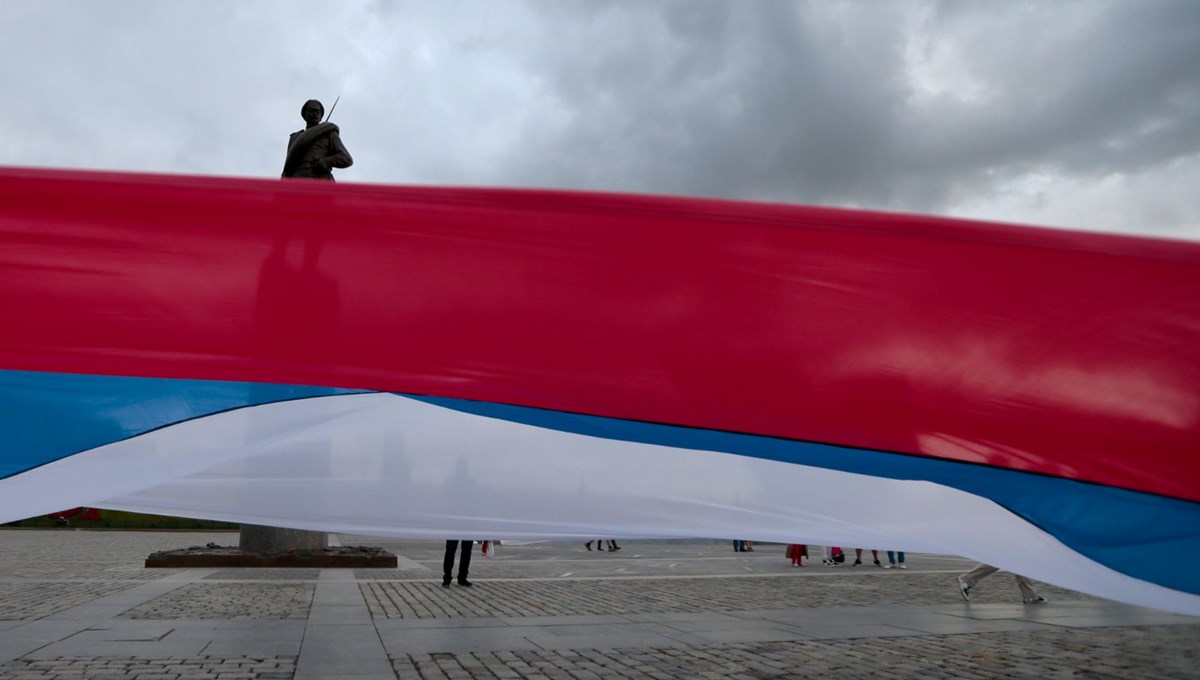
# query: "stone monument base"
{"points": [[213, 555]]}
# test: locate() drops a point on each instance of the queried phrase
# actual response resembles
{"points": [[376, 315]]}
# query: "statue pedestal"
{"points": [[254, 538], [260, 546], [213, 555]]}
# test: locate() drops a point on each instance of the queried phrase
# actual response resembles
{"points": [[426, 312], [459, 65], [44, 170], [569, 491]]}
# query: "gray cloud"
{"points": [[1079, 114]]}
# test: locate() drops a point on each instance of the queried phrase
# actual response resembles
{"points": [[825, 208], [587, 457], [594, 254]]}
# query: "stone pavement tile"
{"points": [[1106, 621], [89, 612], [145, 592], [929, 623], [335, 615], [481, 622], [255, 638], [569, 620], [168, 668], [85, 648], [166, 639], [915, 620], [337, 601], [253, 643], [330, 592], [349, 649], [667, 617], [858, 630], [765, 632], [265, 574], [711, 625], [142, 629], [282, 626], [603, 636], [226, 600], [453, 640], [1068, 613], [1126, 653], [633, 596], [704, 632], [17, 642], [35, 600]]}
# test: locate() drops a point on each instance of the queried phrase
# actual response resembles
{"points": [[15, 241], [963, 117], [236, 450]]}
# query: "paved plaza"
{"points": [[79, 604]]}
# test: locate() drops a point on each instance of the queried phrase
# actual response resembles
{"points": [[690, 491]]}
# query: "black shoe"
{"points": [[588, 545], [445, 584], [463, 582], [857, 563], [878, 563]]}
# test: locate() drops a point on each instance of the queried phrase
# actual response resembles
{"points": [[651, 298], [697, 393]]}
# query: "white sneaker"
{"points": [[903, 565], [888, 566]]}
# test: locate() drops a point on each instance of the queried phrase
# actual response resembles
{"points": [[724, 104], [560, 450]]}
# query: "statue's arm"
{"points": [[286, 156], [338, 156]]}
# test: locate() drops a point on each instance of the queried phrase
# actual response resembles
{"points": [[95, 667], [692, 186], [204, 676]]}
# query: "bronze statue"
{"points": [[314, 151]]}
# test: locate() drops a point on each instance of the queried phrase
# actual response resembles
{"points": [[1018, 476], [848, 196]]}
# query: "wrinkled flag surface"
{"points": [[435, 362]]}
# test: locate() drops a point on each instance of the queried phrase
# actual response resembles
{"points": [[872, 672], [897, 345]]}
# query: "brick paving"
{"points": [[38, 599], [657, 609], [1124, 653], [565, 597], [230, 601], [171, 668]]}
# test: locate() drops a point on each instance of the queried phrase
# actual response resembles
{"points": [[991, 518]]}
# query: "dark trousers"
{"points": [[464, 564]]}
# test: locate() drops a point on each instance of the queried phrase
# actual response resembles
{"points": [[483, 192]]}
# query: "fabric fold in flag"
{"points": [[427, 362]]}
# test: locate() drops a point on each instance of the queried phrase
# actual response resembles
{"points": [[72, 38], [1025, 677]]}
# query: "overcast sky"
{"points": [[1060, 113]]}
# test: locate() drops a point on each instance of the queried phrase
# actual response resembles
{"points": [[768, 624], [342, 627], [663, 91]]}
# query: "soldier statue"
{"points": [[314, 151]]}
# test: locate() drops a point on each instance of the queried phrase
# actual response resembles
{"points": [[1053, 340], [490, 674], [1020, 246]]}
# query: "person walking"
{"points": [[797, 552], [600, 543], [834, 556], [892, 557], [981, 571], [858, 557], [464, 563]]}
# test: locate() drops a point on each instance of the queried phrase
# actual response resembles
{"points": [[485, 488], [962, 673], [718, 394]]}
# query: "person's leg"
{"points": [[464, 563], [588, 545], [900, 558], [1028, 594], [980, 572], [892, 559], [448, 562], [857, 556], [875, 557], [970, 579]]}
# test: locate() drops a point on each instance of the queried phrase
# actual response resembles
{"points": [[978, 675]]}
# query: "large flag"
{"points": [[430, 362]]}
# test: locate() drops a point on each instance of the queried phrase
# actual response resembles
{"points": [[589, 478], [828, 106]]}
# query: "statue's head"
{"points": [[312, 111]]}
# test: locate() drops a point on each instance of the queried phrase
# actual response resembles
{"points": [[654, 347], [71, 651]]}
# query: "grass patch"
{"points": [[117, 519]]}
